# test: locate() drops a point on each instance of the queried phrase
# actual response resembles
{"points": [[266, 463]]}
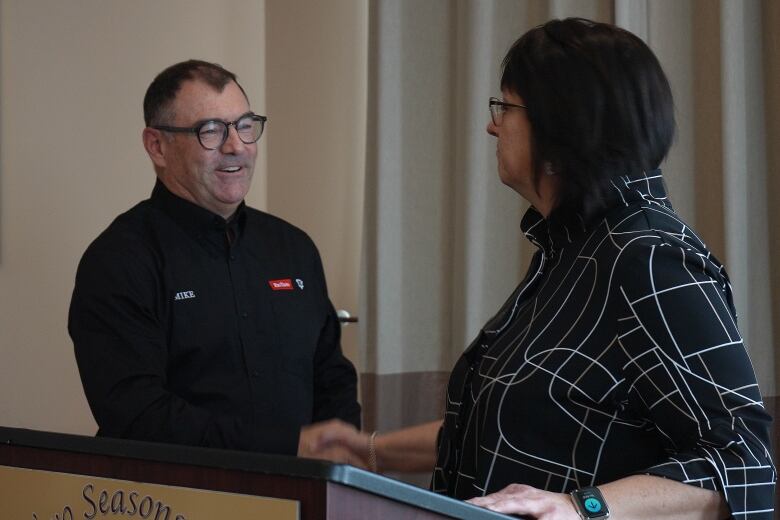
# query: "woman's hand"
{"points": [[411, 449], [349, 439], [334, 440], [519, 499]]}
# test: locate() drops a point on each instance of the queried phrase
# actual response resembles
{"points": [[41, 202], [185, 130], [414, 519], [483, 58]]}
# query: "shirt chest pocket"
{"points": [[297, 323]]}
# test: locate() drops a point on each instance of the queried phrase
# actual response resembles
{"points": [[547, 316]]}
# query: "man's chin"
{"points": [[230, 192], [231, 201]]}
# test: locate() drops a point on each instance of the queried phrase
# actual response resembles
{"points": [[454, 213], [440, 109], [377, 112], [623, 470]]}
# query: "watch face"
{"points": [[590, 503]]}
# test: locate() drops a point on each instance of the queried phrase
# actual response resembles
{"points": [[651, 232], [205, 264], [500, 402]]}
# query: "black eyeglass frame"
{"points": [[496, 113], [227, 124]]}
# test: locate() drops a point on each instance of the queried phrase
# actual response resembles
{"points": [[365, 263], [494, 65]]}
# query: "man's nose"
{"points": [[232, 142]]}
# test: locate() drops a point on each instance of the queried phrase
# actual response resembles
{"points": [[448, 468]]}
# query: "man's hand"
{"points": [[316, 442], [519, 499]]}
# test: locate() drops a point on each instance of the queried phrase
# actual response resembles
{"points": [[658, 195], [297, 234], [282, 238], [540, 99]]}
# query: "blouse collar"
{"points": [[553, 233]]}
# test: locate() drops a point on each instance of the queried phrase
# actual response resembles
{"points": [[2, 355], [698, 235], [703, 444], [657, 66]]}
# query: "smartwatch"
{"points": [[589, 503]]}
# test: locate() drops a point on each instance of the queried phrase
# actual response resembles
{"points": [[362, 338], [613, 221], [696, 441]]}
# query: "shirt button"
{"points": [[255, 373], [232, 257], [244, 315]]}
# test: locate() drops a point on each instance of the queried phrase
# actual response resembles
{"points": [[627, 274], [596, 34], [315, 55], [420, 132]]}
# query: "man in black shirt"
{"points": [[196, 319]]}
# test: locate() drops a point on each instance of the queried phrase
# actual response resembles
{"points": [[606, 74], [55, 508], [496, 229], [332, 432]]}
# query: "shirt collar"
{"points": [[553, 234], [195, 220]]}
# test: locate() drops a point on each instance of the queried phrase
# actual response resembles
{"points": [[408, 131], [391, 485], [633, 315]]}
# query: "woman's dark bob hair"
{"points": [[599, 105]]}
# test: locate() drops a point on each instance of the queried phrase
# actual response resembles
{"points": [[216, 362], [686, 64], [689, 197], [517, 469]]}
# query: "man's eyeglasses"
{"points": [[497, 109], [213, 133]]}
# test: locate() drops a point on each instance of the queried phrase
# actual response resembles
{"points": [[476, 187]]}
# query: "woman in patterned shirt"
{"points": [[616, 368]]}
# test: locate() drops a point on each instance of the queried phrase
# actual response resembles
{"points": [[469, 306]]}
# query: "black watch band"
{"points": [[589, 503]]}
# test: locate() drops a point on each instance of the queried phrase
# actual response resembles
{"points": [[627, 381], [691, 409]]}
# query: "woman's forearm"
{"points": [[646, 496], [638, 497], [410, 450]]}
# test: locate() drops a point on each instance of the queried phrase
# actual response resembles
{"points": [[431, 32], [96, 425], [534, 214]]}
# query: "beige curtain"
{"points": [[442, 244]]}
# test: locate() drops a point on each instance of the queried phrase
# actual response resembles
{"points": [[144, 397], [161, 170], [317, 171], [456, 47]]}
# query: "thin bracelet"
{"points": [[372, 452]]}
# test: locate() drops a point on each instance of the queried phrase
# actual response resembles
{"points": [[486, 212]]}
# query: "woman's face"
{"points": [[513, 148]]}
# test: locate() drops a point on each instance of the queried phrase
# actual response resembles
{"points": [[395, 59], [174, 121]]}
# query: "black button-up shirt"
{"points": [[193, 330]]}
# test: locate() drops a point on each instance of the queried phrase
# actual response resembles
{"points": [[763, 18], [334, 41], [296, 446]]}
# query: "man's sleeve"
{"points": [[335, 379], [121, 351], [691, 376]]}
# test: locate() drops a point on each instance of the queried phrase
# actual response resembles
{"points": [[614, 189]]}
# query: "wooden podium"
{"points": [[56, 476]]}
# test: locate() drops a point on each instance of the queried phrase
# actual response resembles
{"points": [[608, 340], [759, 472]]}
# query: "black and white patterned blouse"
{"points": [[618, 354]]}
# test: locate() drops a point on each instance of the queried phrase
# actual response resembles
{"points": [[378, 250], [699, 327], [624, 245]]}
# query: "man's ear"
{"points": [[155, 147]]}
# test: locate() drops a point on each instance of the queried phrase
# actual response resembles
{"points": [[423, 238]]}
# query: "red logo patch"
{"points": [[281, 285]]}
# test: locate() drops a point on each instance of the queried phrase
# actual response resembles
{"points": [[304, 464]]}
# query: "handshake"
{"points": [[338, 442], [408, 450]]}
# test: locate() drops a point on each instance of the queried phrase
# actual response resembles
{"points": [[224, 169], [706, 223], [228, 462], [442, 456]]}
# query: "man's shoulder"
{"points": [[123, 251], [128, 231]]}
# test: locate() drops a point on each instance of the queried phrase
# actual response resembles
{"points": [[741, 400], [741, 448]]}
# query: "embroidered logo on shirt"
{"points": [[281, 285], [184, 295], [300, 283]]}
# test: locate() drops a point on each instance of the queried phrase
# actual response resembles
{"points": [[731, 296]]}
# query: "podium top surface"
{"points": [[266, 464]]}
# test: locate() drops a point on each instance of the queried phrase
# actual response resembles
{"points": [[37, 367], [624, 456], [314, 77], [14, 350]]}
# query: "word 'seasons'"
{"points": [[120, 502]]}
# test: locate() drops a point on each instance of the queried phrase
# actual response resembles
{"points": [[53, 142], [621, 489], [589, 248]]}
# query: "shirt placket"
{"points": [[238, 275]]}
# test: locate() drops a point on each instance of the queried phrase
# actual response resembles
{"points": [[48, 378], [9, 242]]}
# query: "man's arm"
{"points": [[335, 379]]}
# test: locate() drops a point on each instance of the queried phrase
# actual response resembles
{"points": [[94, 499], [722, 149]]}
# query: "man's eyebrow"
{"points": [[206, 120]]}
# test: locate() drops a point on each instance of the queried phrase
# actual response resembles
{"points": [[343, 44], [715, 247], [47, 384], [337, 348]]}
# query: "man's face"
{"points": [[217, 180]]}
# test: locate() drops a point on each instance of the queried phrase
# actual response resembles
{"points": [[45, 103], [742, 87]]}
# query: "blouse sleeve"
{"points": [[691, 377]]}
